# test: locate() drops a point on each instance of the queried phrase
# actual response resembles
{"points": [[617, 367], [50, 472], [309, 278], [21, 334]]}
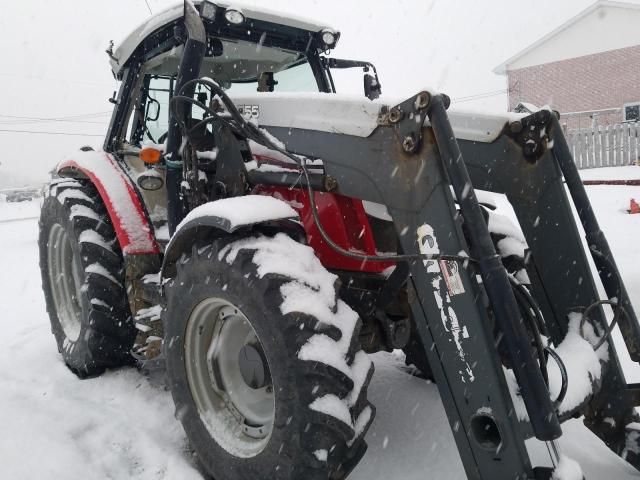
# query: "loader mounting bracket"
{"points": [[407, 118], [532, 133]]}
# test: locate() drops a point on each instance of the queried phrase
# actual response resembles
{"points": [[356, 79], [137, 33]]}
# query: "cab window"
{"points": [[298, 78]]}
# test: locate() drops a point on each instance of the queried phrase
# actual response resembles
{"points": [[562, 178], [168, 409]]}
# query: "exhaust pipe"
{"points": [[189, 69]]}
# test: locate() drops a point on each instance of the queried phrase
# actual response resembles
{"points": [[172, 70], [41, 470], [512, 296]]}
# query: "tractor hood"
{"points": [[352, 115]]}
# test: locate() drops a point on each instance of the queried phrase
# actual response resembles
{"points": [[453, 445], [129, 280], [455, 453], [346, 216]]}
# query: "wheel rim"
{"points": [[65, 278], [229, 377]]}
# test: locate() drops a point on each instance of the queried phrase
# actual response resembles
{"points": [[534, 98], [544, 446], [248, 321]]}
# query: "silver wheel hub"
{"points": [[66, 279], [229, 377]]}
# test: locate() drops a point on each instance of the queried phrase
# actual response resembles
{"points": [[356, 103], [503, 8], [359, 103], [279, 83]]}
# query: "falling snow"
{"points": [[122, 424]]}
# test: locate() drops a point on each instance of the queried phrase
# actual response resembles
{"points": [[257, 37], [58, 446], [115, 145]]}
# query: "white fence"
{"points": [[605, 146]]}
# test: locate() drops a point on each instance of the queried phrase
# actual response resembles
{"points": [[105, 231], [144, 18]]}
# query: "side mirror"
{"points": [[266, 82], [372, 87], [153, 110]]}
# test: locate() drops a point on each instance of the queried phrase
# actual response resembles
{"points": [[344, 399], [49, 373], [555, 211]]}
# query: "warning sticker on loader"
{"points": [[442, 293], [451, 272]]}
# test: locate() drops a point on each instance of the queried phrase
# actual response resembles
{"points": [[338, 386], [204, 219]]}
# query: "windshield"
{"points": [[237, 66], [298, 78], [246, 67]]}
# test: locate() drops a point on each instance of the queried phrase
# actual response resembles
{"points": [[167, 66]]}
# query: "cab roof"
{"points": [[126, 48]]}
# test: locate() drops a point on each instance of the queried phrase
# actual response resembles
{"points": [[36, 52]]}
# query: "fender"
{"points": [[128, 217], [226, 216]]}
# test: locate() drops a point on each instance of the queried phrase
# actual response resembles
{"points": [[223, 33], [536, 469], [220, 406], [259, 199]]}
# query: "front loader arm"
{"points": [[454, 325], [453, 311]]}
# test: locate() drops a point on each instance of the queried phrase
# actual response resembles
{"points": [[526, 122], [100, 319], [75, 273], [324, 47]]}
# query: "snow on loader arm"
{"points": [[258, 245]]}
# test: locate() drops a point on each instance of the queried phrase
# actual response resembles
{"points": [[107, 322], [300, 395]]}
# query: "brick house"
{"points": [[588, 69]]}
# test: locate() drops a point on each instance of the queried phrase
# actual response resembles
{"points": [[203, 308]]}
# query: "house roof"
{"points": [[503, 67]]}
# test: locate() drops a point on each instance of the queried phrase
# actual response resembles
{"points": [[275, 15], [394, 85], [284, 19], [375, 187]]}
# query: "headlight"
{"points": [[208, 11], [234, 16], [150, 180]]}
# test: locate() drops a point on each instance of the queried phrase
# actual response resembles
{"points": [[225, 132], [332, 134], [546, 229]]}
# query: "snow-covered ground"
{"points": [[121, 425], [611, 173]]}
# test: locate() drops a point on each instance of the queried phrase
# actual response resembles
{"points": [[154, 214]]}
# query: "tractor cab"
{"points": [[247, 51], [250, 53]]}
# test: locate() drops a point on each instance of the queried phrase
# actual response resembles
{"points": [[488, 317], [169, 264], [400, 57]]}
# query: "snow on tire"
{"points": [[82, 278], [308, 339]]}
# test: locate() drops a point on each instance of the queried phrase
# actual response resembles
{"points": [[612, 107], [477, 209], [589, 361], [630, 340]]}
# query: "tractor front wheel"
{"points": [[264, 363]]}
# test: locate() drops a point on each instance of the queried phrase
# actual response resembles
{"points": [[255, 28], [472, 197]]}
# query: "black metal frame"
{"points": [[189, 69], [118, 118]]}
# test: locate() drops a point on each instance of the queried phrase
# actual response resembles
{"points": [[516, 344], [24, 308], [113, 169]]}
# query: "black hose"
{"points": [[563, 373], [536, 322], [532, 303], [618, 309], [533, 315], [252, 132], [533, 322]]}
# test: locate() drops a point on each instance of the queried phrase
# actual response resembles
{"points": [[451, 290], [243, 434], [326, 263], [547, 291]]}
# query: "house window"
{"points": [[631, 112]]}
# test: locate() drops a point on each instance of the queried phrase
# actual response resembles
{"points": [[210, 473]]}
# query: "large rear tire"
{"points": [[83, 279], [264, 362]]}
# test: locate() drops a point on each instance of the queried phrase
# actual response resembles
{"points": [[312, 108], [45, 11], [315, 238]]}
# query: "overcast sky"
{"points": [[53, 62]]}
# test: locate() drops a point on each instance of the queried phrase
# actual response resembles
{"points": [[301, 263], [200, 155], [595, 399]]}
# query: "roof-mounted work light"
{"points": [[208, 11], [234, 16], [329, 38]]}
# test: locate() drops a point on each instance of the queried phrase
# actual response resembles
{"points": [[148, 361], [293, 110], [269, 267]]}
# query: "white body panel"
{"points": [[353, 115]]}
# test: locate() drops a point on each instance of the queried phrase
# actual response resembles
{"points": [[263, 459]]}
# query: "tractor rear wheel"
{"points": [[83, 279], [264, 362]]}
